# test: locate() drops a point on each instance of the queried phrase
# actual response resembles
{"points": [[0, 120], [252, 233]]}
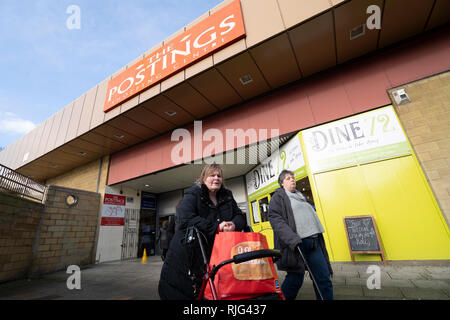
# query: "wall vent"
{"points": [[357, 32], [246, 79]]}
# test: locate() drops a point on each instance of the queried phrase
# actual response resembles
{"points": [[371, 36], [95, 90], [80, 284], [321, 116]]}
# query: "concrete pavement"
{"points": [[132, 280]]}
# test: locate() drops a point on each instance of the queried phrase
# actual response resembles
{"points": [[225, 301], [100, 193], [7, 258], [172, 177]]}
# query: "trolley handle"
{"points": [[247, 256], [257, 254]]}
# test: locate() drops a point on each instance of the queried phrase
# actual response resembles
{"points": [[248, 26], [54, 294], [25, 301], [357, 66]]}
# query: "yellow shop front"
{"points": [[360, 165]]}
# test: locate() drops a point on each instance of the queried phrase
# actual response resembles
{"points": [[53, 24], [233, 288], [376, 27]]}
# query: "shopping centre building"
{"points": [[353, 96]]}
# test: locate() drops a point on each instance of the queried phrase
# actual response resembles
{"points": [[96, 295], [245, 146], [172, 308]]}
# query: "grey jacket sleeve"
{"points": [[278, 219]]}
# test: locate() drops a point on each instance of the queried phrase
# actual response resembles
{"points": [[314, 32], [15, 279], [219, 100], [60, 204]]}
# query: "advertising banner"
{"points": [[113, 212], [264, 178], [358, 139]]}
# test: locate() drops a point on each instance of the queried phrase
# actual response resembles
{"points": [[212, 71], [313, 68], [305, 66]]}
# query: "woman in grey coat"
{"points": [[296, 225]]}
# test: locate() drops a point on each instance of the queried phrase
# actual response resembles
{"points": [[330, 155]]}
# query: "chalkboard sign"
{"points": [[362, 236]]}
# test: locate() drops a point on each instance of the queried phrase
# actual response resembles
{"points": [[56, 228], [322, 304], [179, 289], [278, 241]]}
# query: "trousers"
{"points": [[293, 281]]}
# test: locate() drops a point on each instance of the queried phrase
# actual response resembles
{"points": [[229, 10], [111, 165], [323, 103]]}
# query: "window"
{"points": [[255, 212], [264, 208]]}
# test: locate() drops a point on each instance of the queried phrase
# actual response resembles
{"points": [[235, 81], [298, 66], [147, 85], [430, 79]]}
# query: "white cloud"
{"points": [[11, 123]]}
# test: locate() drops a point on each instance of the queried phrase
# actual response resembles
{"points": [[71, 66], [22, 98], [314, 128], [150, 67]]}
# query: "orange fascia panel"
{"points": [[213, 33]]}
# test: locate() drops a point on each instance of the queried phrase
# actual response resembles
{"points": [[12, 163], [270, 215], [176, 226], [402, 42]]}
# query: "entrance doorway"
{"points": [[147, 232], [260, 217], [166, 231], [304, 187]]}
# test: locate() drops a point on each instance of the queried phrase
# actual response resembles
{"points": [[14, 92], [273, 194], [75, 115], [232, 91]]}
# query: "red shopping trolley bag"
{"points": [[245, 280]]}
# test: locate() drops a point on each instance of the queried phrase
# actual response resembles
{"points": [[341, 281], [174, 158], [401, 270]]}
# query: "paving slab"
{"points": [[447, 292], [356, 282], [346, 274], [424, 294], [440, 275], [384, 293], [306, 295], [348, 267], [355, 298], [338, 281], [383, 275], [348, 291], [412, 268], [431, 284], [438, 270], [400, 274], [397, 283]]}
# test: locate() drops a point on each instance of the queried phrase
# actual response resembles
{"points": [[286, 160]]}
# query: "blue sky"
{"points": [[45, 65]]}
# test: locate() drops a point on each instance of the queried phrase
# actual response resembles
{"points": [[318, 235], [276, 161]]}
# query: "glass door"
{"points": [[265, 227]]}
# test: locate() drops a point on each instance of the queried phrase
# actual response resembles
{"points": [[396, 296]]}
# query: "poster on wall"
{"points": [[366, 137], [264, 178], [113, 212]]}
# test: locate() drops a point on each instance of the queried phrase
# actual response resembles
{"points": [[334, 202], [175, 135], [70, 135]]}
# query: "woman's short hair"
{"points": [[282, 175], [207, 170]]}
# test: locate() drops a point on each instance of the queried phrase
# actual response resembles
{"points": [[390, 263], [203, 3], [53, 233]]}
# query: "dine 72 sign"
{"points": [[220, 29]]}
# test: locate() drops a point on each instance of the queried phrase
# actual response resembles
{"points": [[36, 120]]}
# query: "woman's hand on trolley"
{"points": [[227, 226]]}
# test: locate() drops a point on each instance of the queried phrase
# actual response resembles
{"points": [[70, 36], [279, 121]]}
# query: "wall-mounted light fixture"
{"points": [[170, 113], [357, 31], [71, 200], [246, 79]]}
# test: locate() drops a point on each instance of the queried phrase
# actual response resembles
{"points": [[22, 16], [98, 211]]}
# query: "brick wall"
{"points": [[85, 177], [19, 222], [67, 234], [36, 239], [90, 177], [426, 121]]}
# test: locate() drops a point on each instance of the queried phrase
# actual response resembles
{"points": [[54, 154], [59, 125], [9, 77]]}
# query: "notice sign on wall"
{"points": [[148, 200], [113, 212], [358, 139], [211, 34]]}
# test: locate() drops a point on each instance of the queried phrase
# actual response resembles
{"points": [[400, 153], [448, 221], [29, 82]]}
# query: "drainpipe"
{"points": [[97, 231]]}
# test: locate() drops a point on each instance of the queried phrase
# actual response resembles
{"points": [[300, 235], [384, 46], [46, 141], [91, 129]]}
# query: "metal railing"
{"points": [[15, 182]]}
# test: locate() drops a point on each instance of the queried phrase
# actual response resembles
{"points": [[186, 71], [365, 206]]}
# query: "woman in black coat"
{"points": [[211, 208]]}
